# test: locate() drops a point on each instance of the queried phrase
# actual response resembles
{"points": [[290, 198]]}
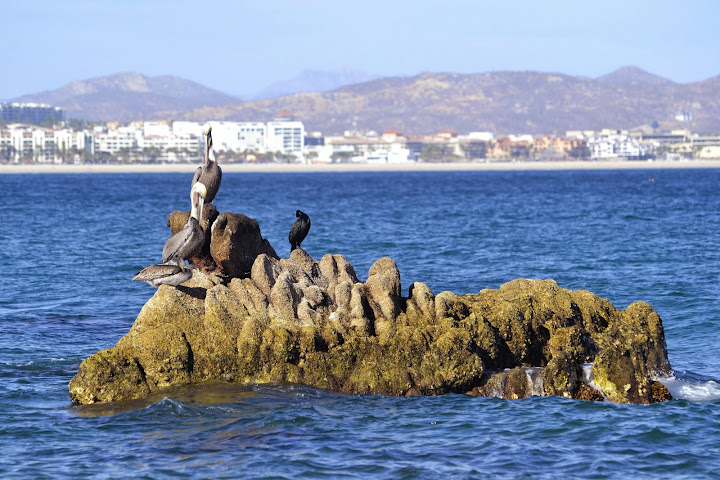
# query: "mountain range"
{"points": [[128, 96], [501, 102], [315, 81]]}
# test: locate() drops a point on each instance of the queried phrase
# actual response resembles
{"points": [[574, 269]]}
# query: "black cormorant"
{"points": [[299, 230]]}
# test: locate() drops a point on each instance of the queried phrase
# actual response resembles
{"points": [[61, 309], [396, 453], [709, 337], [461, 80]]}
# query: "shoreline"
{"points": [[365, 167]]}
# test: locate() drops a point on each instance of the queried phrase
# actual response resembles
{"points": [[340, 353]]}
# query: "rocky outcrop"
{"points": [[232, 241], [313, 322]]}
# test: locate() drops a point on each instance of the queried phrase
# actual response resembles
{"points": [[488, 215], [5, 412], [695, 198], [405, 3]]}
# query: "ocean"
{"points": [[72, 242]]}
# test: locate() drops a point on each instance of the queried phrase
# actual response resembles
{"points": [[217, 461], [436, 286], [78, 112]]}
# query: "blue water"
{"points": [[71, 243]]}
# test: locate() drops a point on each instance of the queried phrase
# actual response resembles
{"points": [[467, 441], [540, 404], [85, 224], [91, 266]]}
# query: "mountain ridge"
{"points": [[501, 102], [634, 75], [314, 81], [124, 96]]}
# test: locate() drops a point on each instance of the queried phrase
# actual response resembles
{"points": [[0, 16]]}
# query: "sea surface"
{"points": [[71, 243]]}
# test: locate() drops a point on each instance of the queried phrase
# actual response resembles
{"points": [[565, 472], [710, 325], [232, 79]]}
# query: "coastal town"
{"points": [[38, 134]]}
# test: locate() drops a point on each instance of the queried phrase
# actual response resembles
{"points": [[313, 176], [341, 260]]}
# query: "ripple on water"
{"points": [[612, 233]]}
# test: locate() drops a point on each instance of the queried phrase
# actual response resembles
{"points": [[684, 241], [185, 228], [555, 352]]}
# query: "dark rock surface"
{"points": [[249, 316]]}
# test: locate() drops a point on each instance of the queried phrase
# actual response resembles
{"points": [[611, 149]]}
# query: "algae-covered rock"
{"points": [[110, 375], [257, 318], [590, 394], [622, 375]]}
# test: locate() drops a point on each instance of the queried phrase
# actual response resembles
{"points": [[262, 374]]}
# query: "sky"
{"points": [[241, 47]]}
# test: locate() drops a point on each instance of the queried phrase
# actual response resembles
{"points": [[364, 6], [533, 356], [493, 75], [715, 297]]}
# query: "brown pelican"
{"points": [[173, 272], [210, 173], [190, 239], [299, 230]]}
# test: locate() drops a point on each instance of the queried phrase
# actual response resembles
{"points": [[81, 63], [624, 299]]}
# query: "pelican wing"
{"points": [[155, 272], [196, 177], [211, 176], [164, 274], [176, 245]]}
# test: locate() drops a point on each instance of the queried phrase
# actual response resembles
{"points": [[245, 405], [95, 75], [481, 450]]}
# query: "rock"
{"points": [[588, 393], [232, 241], [310, 267], [383, 294], [511, 384], [421, 302], [236, 243], [659, 392], [336, 270], [249, 296], [299, 320], [265, 272], [111, 375], [622, 375], [561, 376]]}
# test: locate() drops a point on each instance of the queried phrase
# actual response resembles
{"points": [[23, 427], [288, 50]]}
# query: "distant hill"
{"points": [[634, 75], [128, 96], [315, 81], [501, 102]]}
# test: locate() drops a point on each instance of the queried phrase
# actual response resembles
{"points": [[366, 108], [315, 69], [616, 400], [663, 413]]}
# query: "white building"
{"points": [[181, 128], [114, 141], [20, 142], [286, 137], [394, 153], [617, 146], [481, 136], [225, 136], [156, 129], [253, 136]]}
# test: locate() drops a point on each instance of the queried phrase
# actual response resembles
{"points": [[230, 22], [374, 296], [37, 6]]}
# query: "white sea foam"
{"points": [[588, 376], [679, 389], [535, 378], [19, 364], [692, 391]]}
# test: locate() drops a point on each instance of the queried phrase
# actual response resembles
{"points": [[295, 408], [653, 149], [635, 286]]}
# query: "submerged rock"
{"points": [[303, 321]]}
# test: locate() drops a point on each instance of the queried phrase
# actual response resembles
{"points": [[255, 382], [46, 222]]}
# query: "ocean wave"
{"points": [[692, 391]]}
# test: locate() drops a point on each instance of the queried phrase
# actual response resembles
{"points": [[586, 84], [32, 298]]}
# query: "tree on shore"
{"points": [[474, 150], [437, 152]]}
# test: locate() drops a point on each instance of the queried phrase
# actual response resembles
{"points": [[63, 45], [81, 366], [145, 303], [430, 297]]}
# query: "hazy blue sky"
{"points": [[240, 47]]}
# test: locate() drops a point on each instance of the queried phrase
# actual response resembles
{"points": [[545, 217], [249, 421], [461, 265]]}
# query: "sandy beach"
{"points": [[363, 167]]}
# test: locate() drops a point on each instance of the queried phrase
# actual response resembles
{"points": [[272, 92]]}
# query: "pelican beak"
{"points": [[197, 197], [200, 203]]}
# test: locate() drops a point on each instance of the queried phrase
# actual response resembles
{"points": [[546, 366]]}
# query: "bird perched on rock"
{"points": [[190, 239], [173, 272], [299, 230], [210, 173]]}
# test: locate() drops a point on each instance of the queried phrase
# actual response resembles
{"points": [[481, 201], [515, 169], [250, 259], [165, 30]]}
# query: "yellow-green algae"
{"points": [[302, 321]]}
